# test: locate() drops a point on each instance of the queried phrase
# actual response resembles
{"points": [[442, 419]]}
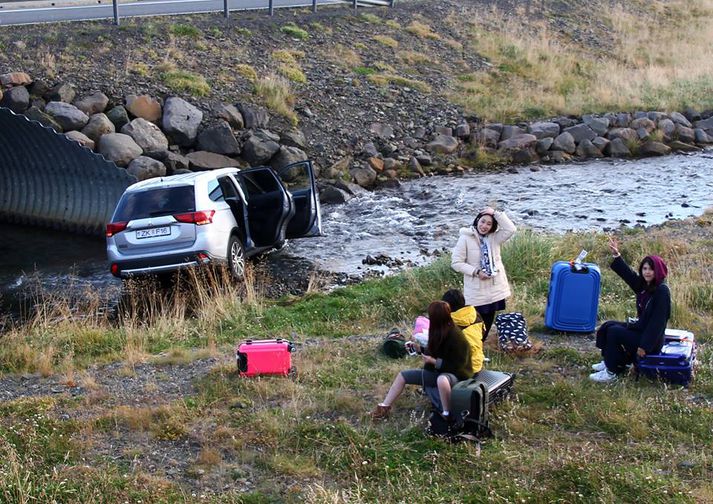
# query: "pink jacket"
{"points": [[466, 259]]}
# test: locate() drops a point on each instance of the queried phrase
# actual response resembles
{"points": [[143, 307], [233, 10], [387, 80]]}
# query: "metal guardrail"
{"points": [[49, 180], [99, 10]]}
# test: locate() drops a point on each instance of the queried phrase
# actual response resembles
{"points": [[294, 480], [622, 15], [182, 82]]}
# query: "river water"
{"points": [[409, 223]]}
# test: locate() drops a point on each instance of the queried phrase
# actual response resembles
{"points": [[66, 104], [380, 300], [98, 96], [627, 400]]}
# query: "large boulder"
{"points": [[510, 131], [98, 125], [231, 114], [618, 149], [338, 169], [119, 116], [706, 124], [625, 134], [181, 121], [677, 145], [81, 138], [16, 99], [600, 125], [119, 148], [462, 130], [145, 168], [544, 129], [144, 106], [220, 139], [702, 137], [286, 156], [175, 162], [667, 127], [580, 132], [62, 92], [259, 149], [68, 116], [565, 142], [92, 103], [586, 149], [679, 118], [43, 118], [365, 176], [39, 88], [204, 160], [685, 134], [643, 122], [543, 145], [654, 149], [443, 144], [147, 135], [293, 138], [254, 117], [329, 193], [600, 143], [488, 137], [518, 142], [15, 79]]}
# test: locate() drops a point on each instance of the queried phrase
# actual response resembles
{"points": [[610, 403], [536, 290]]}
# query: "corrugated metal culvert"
{"points": [[49, 180]]}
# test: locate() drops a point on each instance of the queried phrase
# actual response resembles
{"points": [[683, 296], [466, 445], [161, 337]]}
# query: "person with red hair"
{"points": [[622, 342], [446, 361]]}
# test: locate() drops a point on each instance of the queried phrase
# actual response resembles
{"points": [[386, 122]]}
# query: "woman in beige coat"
{"points": [[477, 256]]}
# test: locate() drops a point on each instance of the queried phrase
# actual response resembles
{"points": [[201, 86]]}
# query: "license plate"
{"points": [[150, 233]]}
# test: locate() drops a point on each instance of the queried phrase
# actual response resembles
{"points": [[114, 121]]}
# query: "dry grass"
{"points": [[656, 63], [276, 94], [385, 79], [247, 71], [414, 57], [422, 30], [386, 40], [343, 56]]}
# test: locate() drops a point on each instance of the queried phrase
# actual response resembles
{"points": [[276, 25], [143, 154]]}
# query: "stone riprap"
{"points": [[152, 136]]}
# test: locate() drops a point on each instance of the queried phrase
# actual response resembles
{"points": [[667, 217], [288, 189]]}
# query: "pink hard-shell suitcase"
{"points": [[265, 357]]}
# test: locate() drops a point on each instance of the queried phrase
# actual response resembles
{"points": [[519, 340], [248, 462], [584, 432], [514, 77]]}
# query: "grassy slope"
{"points": [[560, 438]]}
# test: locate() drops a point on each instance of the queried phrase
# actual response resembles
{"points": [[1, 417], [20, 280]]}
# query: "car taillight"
{"points": [[115, 227], [198, 218], [115, 269]]}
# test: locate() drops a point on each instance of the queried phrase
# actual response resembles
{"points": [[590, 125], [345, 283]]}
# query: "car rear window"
{"points": [[155, 202]]}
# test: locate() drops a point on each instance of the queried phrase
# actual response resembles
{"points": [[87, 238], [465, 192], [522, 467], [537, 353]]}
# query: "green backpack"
{"points": [[394, 345]]}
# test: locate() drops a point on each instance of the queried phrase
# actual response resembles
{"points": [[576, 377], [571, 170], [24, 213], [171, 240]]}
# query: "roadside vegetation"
{"points": [[655, 56], [558, 438]]}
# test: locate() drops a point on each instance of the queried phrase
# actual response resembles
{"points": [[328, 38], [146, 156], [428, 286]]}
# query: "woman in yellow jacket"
{"points": [[468, 320]]}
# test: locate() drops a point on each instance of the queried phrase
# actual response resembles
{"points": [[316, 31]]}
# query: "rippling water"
{"points": [[425, 214], [422, 216]]}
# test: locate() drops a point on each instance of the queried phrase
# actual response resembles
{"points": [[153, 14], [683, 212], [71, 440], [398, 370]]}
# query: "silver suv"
{"points": [[221, 216]]}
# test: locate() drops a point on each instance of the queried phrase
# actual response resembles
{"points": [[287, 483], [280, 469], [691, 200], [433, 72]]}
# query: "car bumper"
{"points": [[162, 264]]}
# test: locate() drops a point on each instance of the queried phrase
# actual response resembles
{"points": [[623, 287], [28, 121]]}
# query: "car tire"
{"points": [[236, 258]]}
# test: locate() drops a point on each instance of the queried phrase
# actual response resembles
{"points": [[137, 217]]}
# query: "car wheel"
{"points": [[236, 258]]}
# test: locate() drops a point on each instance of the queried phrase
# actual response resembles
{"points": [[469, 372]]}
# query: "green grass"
{"points": [[185, 31], [191, 83], [295, 31], [559, 438]]}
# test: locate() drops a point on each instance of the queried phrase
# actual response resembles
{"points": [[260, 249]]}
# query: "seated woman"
{"points": [[447, 361], [621, 342]]}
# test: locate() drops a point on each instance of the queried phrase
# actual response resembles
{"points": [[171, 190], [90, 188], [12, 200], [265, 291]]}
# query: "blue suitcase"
{"points": [[676, 361], [573, 298]]}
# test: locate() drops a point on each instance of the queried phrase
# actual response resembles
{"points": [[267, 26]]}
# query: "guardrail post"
{"points": [[272, 8], [354, 4], [392, 3], [116, 12], [226, 13], [314, 5]]}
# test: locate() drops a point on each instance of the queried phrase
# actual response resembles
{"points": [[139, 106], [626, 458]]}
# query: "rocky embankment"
{"points": [[152, 137]]}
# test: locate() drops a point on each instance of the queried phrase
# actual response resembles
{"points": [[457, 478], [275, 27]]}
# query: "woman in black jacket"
{"points": [[622, 342], [446, 362]]}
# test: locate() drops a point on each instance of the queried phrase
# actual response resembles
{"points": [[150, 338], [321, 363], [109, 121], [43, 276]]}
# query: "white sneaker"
{"points": [[599, 366], [603, 376]]}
